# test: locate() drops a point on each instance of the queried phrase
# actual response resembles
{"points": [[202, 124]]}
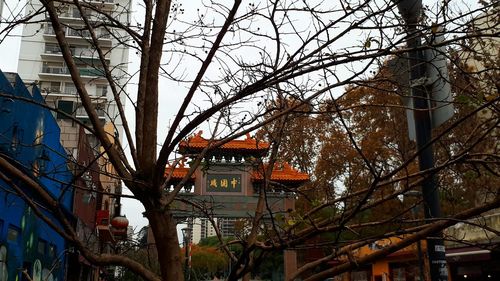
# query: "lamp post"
{"points": [[186, 239], [411, 10], [414, 211]]}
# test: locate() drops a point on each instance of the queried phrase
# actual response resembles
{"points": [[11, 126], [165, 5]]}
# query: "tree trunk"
{"points": [[164, 230]]}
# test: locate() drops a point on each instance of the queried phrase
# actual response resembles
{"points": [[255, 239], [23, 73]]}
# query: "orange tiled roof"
{"points": [[197, 141], [179, 172], [282, 172]]}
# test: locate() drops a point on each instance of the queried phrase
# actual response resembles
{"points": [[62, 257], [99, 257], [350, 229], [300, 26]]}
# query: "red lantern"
{"points": [[119, 222]]}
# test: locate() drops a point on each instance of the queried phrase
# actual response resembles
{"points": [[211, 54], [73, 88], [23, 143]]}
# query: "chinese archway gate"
{"points": [[227, 183]]}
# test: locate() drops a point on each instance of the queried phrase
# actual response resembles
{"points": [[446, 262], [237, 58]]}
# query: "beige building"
{"points": [[472, 249]]}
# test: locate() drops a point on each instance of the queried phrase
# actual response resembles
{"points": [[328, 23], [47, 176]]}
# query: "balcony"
{"points": [[55, 70], [101, 34], [80, 34], [75, 14], [77, 33], [53, 53], [91, 72], [101, 91], [50, 49], [82, 114], [64, 71], [82, 52], [102, 3], [59, 93], [49, 31]]}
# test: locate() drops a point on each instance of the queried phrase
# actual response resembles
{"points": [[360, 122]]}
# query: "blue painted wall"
{"points": [[30, 137]]}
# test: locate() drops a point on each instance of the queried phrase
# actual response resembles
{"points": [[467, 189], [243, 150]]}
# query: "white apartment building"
{"points": [[201, 228], [41, 62]]}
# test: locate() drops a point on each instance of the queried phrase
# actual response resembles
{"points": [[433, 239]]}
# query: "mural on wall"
{"points": [[29, 137], [39, 254], [3, 263], [25, 247]]}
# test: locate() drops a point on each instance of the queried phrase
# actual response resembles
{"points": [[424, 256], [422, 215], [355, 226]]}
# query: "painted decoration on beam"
{"points": [[223, 183]]}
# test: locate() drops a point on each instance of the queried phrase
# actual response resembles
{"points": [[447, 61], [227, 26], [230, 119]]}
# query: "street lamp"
{"points": [[414, 211], [411, 11], [186, 239]]}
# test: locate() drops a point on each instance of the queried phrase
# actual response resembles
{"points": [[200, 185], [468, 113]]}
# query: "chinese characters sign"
{"points": [[223, 183]]}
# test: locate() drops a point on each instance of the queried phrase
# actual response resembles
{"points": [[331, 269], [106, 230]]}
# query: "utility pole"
{"points": [[411, 10]]}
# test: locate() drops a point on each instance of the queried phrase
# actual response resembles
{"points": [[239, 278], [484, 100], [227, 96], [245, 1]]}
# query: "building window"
{"points": [[66, 107], [50, 87], [49, 30], [55, 86], [13, 234], [51, 48], [81, 113], [41, 247], [52, 251], [102, 90], [359, 276], [70, 89], [63, 11], [54, 68], [398, 274]]}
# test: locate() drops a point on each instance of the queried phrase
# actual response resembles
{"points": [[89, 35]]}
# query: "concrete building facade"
{"points": [[41, 63]]}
